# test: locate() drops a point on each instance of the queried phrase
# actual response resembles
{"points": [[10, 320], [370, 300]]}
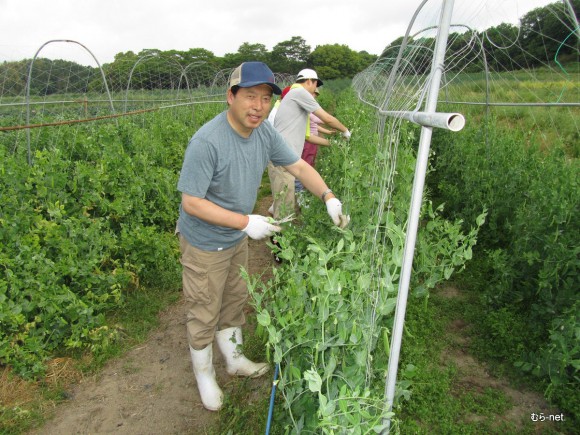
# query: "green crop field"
{"points": [[88, 228]]}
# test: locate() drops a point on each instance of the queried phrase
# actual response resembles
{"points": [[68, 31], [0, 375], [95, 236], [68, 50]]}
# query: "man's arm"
{"points": [[330, 120], [309, 178], [325, 130], [255, 226], [212, 213], [318, 140]]}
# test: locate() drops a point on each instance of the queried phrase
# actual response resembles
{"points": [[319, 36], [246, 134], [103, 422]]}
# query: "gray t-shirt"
{"points": [[226, 169], [292, 116]]}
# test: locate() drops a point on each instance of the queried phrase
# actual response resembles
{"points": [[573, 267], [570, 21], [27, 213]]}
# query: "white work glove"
{"points": [[346, 134], [334, 208], [259, 228]]}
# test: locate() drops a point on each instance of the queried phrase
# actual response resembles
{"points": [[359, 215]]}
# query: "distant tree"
{"points": [[197, 55], [393, 48], [200, 66], [246, 52], [289, 56], [502, 47], [153, 70], [335, 61], [257, 52], [417, 53], [56, 76], [543, 33], [391, 51], [464, 51], [12, 78], [366, 59], [230, 60], [117, 72]]}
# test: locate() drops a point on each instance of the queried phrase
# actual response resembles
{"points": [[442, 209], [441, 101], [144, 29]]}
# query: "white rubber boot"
{"points": [[209, 390], [230, 343]]}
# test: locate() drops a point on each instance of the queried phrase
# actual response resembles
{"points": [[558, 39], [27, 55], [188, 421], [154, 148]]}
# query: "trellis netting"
{"points": [[495, 64], [47, 90], [492, 60]]}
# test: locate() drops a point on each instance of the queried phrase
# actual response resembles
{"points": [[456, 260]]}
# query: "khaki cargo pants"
{"points": [[282, 185], [214, 290]]}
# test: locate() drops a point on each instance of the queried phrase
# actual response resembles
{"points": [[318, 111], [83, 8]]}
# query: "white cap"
{"points": [[308, 73]]}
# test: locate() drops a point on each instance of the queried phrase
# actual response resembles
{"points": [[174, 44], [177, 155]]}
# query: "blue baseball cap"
{"points": [[251, 74]]}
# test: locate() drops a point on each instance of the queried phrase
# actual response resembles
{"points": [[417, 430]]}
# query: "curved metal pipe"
{"points": [[30, 79], [448, 121]]}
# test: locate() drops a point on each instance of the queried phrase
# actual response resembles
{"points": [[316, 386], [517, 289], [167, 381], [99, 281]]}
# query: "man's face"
{"points": [[311, 85], [248, 108]]}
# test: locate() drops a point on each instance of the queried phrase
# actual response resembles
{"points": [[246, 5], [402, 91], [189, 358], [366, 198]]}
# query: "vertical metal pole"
{"points": [[415, 209]]}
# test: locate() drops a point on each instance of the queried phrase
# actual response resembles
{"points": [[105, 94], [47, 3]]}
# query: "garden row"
{"points": [[327, 313], [529, 252], [89, 222]]}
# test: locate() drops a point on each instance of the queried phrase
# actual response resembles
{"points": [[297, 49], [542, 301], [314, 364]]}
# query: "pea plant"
{"points": [[327, 312], [90, 222]]}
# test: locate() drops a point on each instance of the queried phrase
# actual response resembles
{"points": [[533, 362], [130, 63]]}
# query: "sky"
{"points": [[108, 27]]}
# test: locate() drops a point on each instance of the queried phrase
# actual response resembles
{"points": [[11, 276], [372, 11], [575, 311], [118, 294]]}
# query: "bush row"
{"points": [[528, 253], [91, 220]]}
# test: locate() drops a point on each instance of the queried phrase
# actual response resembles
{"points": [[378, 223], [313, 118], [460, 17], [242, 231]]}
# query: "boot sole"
{"points": [[252, 375]]}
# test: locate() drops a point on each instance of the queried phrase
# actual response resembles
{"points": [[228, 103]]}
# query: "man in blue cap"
{"points": [[219, 180]]}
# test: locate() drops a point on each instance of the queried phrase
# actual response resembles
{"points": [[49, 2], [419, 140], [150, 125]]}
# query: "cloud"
{"points": [[108, 27]]}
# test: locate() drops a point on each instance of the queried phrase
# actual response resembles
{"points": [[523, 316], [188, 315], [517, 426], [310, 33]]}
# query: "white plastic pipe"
{"points": [[448, 121]]}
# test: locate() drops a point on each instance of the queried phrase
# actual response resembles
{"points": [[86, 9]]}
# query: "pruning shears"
{"points": [[288, 218]]}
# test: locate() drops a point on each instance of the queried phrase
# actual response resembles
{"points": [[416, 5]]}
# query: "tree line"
{"points": [[542, 34], [545, 35]]}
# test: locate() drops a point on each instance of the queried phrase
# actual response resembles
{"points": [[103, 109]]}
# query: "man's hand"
{"points": [[259, 228], [334, 208]]}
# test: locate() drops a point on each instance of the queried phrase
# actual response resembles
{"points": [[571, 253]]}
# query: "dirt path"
{"points": [[151, 389], [473, 375]]}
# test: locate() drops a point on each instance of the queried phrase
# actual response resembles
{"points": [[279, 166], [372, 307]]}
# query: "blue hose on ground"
{"points": [[272, 395]]}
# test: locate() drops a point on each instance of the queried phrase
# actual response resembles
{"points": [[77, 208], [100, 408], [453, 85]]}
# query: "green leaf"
{"points": [[330, 367], [448, 272], [480, 220], [263, 318], [327, 407], [340, 245], [314, 380]]}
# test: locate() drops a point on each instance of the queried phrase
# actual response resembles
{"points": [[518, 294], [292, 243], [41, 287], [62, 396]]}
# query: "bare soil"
{"points": [[152, 390], [473, 375]]}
